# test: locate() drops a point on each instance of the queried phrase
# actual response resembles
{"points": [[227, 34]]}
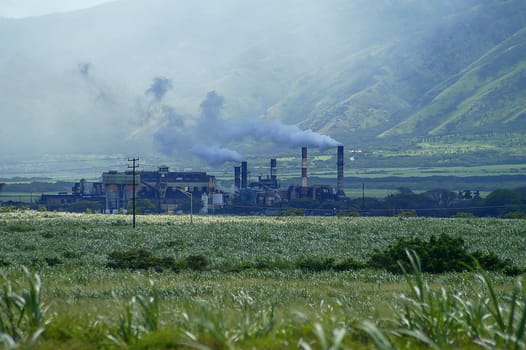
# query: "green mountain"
{"points": [[488, 95], [465, 75]]}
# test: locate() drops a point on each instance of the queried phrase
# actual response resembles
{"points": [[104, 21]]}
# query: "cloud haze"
{"points": [[130, 76], [29, 8]]}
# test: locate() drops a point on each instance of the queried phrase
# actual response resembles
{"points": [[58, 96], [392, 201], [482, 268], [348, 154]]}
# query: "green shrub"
{"points": [[292, 212], [438, 255], [45, 261], [315, 264], [348, 214], [515, 215], [406, 214], [20, 228], [197, 262], [464, 215], [140, 259], [273, 264], [348, 264], [52, 261]]}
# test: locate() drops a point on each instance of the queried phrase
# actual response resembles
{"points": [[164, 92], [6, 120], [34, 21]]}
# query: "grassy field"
{"points": [[250, 294]]}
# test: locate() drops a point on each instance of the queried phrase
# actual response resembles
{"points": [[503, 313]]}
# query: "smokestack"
{"points": [[273, 169], [304, 168], [237, 177], [340, 192], [244, 175]]}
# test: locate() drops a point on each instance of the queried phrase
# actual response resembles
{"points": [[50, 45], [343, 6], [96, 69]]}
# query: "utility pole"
{"points": [[363, 196], [135, 165]]}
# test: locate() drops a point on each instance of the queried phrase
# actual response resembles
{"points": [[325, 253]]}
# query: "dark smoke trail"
{"points": [[159, 87], [212, 105], [84, 68], [171, 135]]}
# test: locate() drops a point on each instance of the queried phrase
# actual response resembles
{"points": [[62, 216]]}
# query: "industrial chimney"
{"points": [[273, 170], [237, 178], [244, 175], [304, 169], [340, 192]]}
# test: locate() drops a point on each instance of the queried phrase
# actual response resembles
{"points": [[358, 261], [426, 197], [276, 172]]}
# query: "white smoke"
{"points": [[283, 134], [215, 155], [209, 135]]}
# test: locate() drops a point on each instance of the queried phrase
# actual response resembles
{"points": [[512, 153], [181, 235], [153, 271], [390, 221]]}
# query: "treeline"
{"points": [[510, 203], [38, 187], [506, 203], [483, 183]]}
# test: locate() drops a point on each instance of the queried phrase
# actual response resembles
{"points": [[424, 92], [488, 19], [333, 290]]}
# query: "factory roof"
{"points": [[175, 176]]}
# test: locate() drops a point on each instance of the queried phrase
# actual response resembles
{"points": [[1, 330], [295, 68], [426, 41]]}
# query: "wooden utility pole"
{"points": [[134, 166], [363, 196]]}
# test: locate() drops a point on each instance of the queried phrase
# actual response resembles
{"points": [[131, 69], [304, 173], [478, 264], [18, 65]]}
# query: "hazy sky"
{"points": [[29, 8], [80, 83], [182, 77]]}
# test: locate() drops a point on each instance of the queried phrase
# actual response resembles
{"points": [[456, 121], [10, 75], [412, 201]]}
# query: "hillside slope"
{"points": [[464, 77]]}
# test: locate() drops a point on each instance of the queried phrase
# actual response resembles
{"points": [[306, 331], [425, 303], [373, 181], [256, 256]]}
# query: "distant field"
{"points": [[489, 170], [273, 307]]}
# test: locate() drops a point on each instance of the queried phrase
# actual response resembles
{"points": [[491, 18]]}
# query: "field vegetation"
{"points": [[253, 282]]}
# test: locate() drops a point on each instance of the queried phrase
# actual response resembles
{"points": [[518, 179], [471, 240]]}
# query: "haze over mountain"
{"points": [[207, 77]]}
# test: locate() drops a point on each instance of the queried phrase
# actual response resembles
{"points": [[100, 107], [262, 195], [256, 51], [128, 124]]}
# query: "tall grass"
{"points": [[312, 305], [140, 316], [22, 313], [443, 318]]}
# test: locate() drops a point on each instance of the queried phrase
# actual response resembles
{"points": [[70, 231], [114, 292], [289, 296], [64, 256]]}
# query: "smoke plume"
{"points": [[84, 69], [215, 155], [212, 105], [283, 134], [209, 135], [170, 136], [160, 86], [100, 90]]}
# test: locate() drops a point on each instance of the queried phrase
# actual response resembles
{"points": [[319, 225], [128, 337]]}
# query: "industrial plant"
{"points": [[267, 191], [165, 191]]}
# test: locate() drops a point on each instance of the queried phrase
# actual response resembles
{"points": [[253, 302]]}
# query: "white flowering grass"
{"points": [[269, 308]]}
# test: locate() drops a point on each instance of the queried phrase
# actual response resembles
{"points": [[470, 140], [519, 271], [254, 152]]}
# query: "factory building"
{"points": [[165, 189], [119, 190], [85, 195], [86, 189], [171, 191]]}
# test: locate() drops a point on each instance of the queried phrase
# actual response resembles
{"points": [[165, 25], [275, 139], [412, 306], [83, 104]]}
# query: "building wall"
{"points": [[163, 188]]}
